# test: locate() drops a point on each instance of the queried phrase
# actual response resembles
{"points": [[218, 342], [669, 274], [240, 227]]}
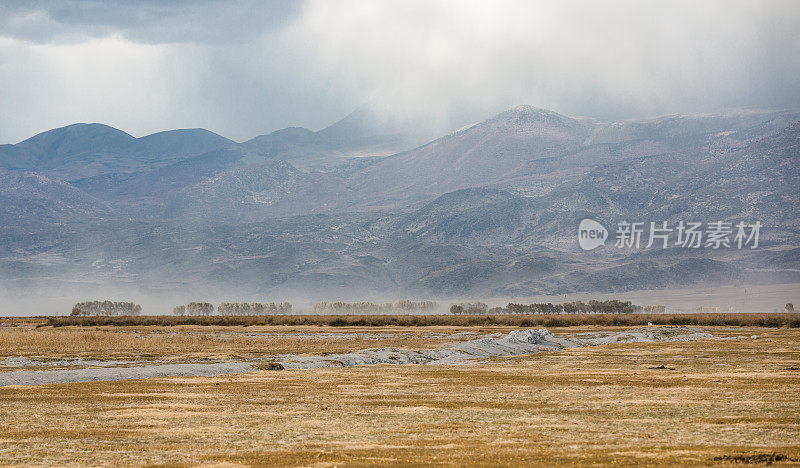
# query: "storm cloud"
{"points": [[243, 68]]}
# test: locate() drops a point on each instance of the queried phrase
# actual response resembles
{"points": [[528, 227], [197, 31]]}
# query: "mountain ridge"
{"points": [[489, 209]]}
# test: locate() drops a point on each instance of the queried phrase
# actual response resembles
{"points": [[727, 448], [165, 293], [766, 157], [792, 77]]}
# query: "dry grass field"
{"points": [[208, 343], [698, 403]]}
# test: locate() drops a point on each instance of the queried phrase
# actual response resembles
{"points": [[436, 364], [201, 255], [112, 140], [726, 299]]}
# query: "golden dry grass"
{"points": [[187, 343], [608, 405]]}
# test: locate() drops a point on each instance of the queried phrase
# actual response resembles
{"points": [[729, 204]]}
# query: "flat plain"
{"points": [[703, 402]]}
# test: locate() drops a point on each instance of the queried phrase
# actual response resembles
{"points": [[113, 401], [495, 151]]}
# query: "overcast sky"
{"points": [[244, 68]]}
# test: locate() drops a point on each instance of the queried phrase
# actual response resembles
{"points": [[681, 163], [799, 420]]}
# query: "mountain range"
{"points": [[373, 206]]}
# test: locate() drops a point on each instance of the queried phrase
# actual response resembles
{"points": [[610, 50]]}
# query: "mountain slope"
{"points": [[32, 200], [479, 155], [370, 131], [364, 132], [159, 182], [89, 150], [534, 150], [66, 149], [489, 210], [257, 191], [756, 182], [174, 145]]}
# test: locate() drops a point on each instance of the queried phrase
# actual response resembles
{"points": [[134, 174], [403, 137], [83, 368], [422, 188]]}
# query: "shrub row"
{"points": [[563, 320]]}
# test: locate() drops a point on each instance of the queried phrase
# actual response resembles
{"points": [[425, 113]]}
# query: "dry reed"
{"points": [[561, 320]]}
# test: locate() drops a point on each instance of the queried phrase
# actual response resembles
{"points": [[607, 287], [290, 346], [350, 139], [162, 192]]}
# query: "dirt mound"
{"points": [[515, 343]]}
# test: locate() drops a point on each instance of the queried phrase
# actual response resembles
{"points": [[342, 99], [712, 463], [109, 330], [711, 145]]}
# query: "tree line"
{"points": [[370, 308], [234, 308], [612, 306], [403, 306], [471, 308], [254, 308], [194, 308], [107, 308]]}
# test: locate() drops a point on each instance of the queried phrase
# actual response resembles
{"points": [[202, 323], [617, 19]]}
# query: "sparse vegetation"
{"points": [[561, 320]]}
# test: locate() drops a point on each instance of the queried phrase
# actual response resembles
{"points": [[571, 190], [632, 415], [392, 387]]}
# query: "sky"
{"points": [[245, 68]]}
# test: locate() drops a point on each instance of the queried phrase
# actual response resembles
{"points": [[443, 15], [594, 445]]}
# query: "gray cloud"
{"points": [[243, 68], [146, 21]]}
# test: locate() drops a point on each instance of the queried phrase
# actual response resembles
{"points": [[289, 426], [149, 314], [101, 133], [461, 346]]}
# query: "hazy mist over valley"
{"points": [[487, 211], [447, 165]]}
